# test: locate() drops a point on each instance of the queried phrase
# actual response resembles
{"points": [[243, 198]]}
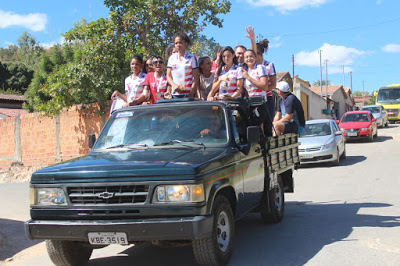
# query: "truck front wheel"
{"points": [[272, 205], [217, 249], [68, 253]]}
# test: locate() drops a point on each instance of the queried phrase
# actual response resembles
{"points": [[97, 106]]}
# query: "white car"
{"points": [[322, 141], [379, 113]]}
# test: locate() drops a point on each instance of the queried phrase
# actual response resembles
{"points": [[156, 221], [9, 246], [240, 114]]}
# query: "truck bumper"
{"points": [[183, 228]]}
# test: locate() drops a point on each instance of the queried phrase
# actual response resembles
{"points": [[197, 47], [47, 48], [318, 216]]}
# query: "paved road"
{"points": [[344, 215]]}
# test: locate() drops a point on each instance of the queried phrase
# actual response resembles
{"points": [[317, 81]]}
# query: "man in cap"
{"points": [[289, 117]]}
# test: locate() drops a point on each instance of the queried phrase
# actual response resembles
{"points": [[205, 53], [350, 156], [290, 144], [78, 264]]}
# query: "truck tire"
{"points": [[68, 253], [217, 249], [272, 207]]}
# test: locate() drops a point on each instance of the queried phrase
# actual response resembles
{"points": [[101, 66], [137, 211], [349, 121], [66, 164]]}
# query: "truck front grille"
{"points": [[393, 112], [108, 195]]}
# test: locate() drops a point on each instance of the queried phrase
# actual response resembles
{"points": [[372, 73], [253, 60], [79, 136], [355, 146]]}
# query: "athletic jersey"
{"points": [[256, 73], [234, 74], [214, 67], [182, 71], [134, 86], [270, 72], [157, 86]]}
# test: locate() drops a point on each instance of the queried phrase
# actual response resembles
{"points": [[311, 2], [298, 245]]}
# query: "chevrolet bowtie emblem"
{"points": [[106, 195]]}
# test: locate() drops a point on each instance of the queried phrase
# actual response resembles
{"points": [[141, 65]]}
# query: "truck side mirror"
{"points": [[92, 140], [253, 134]]}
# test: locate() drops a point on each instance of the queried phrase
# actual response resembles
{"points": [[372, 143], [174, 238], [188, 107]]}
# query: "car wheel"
{"points": [[217, 249], [337, 161], [68, 252], [376, 134], [272, 206], [343, 156], [371, 137]]}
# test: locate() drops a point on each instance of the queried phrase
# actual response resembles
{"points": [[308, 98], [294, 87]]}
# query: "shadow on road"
{"points": [[305, 230], [12, 238], [350, 160], [383, 138]]}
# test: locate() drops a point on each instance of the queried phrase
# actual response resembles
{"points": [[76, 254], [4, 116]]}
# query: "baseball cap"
{"points": [[283, 86]]}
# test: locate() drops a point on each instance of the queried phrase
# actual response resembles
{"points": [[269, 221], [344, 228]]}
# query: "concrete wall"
{"points": [[35, 140], [315, 102]]}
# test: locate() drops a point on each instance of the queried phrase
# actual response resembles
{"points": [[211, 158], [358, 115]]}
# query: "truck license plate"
{"points": [[352, 134], [106, 238]]}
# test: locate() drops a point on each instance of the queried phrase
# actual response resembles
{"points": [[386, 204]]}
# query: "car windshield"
{"points": [[388, 95], [361, 117], [372, 109], [164, 127], [316, 129]]}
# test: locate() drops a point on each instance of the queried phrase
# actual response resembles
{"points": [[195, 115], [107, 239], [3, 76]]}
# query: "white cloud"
{"points": [[276, 42], [337, 57], [287, 5], [391, 48], [33, 21]]}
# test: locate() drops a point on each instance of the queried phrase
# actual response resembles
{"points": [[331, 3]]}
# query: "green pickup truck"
{"points": [[181, 171]]}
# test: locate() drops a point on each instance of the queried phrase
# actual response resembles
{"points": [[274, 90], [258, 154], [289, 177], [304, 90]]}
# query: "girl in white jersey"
{"points": [[228, 81], [261, 48], [135, 93], [182, 69], [255, 75]]}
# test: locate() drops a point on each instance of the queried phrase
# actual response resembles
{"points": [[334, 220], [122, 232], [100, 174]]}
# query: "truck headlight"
{"points": [[48, 197], [179, 193]]}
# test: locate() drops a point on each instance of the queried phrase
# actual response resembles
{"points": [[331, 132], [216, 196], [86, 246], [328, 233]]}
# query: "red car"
{"points": [[358, 124]]}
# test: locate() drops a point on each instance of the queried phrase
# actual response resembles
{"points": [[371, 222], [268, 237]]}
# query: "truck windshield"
{"points": [[388, 95], [165, 126]]}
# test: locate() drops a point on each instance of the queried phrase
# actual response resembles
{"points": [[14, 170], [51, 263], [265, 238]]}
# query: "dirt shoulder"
{"points": [[17, 173]]}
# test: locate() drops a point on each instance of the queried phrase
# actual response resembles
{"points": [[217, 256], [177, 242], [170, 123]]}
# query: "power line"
{"points": [[337, 30]]}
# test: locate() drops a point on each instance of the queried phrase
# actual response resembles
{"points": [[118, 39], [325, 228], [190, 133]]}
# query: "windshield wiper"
{"points": [[129, 146], [185, 143]]}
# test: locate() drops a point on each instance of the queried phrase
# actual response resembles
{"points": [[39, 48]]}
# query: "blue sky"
{"points": [[360, 36]]}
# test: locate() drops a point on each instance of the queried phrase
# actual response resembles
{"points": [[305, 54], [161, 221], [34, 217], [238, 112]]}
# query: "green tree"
{"points": [[29, 51], [203, 46], [19, 77], [9, 54], [102, 48], [360, 93]]}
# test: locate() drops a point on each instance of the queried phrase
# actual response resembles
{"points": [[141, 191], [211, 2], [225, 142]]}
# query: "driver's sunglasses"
{"points": [[158, 62]]}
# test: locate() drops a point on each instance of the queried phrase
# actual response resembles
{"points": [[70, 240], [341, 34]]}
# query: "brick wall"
{"points": [[45, 140]]}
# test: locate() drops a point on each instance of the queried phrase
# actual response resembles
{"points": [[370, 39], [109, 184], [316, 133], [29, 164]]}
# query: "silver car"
{"points": [[379, 113], [322, 141]]}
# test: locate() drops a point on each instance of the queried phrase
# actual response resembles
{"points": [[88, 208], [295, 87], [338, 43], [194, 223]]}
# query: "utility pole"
{"points": [[351, 82], [320, 69], [293, 66], [326, 82]]}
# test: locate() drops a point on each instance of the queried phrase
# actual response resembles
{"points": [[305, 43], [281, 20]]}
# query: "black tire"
{"points": [[343, 156], [337, 161], [217, 249], [68, 253], [272, 207]]}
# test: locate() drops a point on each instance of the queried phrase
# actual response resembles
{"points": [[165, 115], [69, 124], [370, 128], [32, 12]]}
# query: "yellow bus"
{"points": [[389, 98]]}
